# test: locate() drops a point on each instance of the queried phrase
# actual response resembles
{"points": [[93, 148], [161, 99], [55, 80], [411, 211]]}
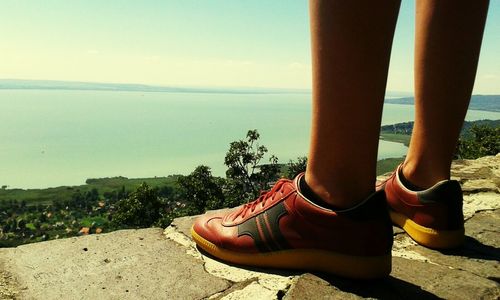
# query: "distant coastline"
{"points": [[18, 84], [32, 84], [478, 102]]}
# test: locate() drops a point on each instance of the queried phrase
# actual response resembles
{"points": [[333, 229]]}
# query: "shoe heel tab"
{"points": [[441, 192]]}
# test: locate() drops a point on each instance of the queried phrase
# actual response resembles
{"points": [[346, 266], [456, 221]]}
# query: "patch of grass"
{"points": [[388, 164], [98, 221], [396, 137], [31, 226]]}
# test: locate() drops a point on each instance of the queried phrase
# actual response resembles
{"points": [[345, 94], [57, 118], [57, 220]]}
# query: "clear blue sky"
{"points": [[190, 43]]}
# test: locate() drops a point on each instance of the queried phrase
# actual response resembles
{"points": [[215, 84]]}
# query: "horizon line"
{"points": [[12, 83], [54, 84]]}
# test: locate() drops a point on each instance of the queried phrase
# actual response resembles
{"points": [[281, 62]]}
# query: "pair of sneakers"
{"points": [[283, 229]]}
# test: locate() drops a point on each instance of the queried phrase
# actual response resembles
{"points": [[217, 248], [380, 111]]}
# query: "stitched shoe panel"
{"points": [[210, 227], [283, 229]]}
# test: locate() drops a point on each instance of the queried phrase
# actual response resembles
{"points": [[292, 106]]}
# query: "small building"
{"points": [[84, 230]]}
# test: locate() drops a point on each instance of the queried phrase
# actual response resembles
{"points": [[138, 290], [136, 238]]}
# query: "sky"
{"points": [[209, 43]]}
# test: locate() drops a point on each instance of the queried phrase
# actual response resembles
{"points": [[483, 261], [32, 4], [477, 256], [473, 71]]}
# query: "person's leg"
{"points": [[284, 228], [423, 201], [447, 42], [351, 45]]}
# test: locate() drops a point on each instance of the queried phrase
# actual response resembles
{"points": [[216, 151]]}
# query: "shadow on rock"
{"points": [[473, 248], [385, 288]]}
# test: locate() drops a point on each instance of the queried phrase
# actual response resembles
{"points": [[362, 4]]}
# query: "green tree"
{"points": [[42, 217], [37, 224], [202, 190], [77, 200], [481, 140], [268, 173], [165, 191], [6, 227], [246, 177], [142, 208], [21, 224], [296, 167]]}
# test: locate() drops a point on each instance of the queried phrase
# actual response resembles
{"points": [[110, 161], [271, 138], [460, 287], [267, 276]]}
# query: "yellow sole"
{"points": [[428, 237], [359, 267]]}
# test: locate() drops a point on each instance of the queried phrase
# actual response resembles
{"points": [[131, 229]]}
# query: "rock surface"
{"points": [[156, 264]]}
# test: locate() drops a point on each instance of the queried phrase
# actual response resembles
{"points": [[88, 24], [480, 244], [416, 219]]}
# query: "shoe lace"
{"points": [[262, 199]]}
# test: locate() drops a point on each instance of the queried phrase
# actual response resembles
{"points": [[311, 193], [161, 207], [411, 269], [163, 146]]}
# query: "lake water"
{"points": [[53, 138]]}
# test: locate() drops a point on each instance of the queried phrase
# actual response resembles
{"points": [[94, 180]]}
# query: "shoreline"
{"points": [[107, 184]]}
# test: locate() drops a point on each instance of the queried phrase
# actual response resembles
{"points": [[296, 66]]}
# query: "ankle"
{"points": [[341, 198], [420, 177], [310, 195]]}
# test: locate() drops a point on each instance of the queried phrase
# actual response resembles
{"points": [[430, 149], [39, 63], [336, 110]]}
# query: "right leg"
{"points": [[351, 46], [447, 43], [423, 201], [283, 228]]}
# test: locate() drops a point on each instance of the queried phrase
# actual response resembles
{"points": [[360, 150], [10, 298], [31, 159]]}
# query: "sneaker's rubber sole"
{"points": [[358, 267], [428, 237]]}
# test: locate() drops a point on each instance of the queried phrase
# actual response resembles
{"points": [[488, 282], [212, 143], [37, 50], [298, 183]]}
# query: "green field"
{"points": [[388, 165], [103, 185], [396, 137]]}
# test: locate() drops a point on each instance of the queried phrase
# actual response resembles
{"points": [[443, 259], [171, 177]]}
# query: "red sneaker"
{"points": [[433, 217], [282, 229]]}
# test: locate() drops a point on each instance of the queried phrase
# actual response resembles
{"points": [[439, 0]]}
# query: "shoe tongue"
{"points": [[229, 218]]}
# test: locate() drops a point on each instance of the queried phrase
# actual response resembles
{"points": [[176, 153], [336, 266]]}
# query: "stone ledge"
{"points": [[165, 264], [469, 273], [126, 264]]}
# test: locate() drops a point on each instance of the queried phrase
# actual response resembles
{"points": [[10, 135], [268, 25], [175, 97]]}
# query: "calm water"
{"points": [[52, 138]]}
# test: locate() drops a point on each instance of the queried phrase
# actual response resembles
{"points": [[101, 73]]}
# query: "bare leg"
{"points": [[447, 42], [351, 45]]}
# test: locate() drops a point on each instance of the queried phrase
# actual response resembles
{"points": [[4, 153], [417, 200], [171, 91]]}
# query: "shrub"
{"points": [[142, 208], [481, 141]]}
